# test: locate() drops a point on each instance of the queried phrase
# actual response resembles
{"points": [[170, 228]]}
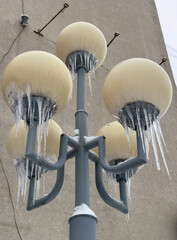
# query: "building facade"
{"points": [[153, 205]]}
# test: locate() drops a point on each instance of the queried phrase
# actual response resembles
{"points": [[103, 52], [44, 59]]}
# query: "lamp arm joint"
{"points": [[90, 142], [73, 142], [93, 156], [71, 153], [61, 159]]}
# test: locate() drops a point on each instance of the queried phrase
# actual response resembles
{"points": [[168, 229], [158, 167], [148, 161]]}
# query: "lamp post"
{"points": [[127, 96]]}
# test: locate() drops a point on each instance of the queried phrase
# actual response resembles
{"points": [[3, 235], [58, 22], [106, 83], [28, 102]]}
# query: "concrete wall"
{"points": [[153, 206]]}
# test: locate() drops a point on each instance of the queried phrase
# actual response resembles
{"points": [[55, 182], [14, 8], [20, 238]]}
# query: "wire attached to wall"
{"points": [[10, 197], [24, 23], [23, 8], [12, 45]]}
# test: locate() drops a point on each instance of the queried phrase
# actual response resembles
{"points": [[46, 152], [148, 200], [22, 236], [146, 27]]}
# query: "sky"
{"points": [[167, 11]]}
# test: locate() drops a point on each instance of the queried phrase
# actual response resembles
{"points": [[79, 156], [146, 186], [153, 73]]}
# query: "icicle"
{"points": [[110, 180], [28, 92], [161, 133], [91, 74], [131, 118], [161, 147], [45, 127], [116, 117], [146, 116], [32, 168], [38, 182], [39, 130], [113, 184], [147, 124], [19, 186], [31, 116], [154, 143], [126, 129], [20, 104], [12, 94], [90, 81], [128, 217], [71, 67], [129, 188], [19, 108], [22, 187], [26, 177], [21, 171], [43, 181], [93, 70], [46, 109]]}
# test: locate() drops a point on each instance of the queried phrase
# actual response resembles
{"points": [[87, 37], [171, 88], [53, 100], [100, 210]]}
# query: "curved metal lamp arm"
{"points": [[70, 154], [64, 142], [93, 156], [32, 204], [127, 164], [120, 205]]}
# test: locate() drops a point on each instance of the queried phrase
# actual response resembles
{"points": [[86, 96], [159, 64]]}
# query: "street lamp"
{"points": [[36, 85]]}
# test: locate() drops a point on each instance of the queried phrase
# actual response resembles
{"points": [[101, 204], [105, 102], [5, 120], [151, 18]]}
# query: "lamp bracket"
{"points": [[80, 59], [28, 108], [138, 113]]}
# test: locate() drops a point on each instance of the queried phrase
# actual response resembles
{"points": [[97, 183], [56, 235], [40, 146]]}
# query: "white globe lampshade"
{"points": [[136, 80], [45, 74], [82, 36], [16, 141], [118, 147]]}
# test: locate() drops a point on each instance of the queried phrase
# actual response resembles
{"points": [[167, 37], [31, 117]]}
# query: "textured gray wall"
{"points": [[153, 207]]}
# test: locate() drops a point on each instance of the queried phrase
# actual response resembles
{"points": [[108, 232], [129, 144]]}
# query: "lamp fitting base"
{"points": [[81, 59], [138, 113]]}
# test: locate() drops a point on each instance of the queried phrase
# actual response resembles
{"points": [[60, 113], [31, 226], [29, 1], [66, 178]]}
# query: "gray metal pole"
{"points": [[31, 140], [82, 165], [83, 223], [82, 227]]}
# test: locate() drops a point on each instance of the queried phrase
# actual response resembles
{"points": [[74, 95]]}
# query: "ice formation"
{"points": [[22, 171], [147, 118], [84, 59], [83, 209], [114, 185], [24, 107]]}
